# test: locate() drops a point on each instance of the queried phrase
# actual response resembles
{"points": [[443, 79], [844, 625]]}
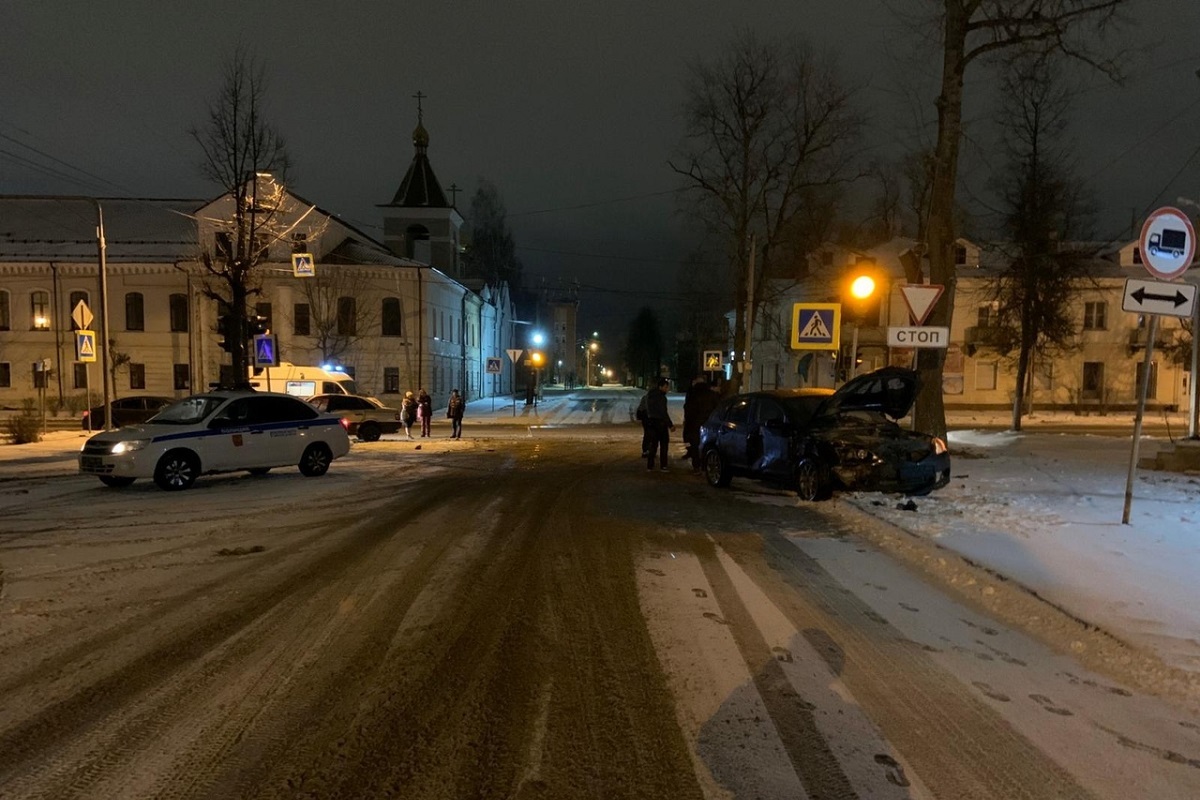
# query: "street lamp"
{"points": [[591, 348], [861, 289], [537, 359]]}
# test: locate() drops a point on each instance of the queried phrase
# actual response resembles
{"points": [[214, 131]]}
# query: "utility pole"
{"points": [[104, 354], [748, 344]]}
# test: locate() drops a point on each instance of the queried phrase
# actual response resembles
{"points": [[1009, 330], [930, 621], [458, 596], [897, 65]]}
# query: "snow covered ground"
{"points": [[1041, 509]]}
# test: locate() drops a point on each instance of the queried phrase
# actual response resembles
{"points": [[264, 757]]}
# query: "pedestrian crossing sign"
{"points": [[85, 346], [266, 354], [303, 266], [816, 326], [713, 361]]}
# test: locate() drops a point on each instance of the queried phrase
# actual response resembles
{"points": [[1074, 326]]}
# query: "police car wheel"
{"points": [[315, 460], [115, 482], [176, 470]]}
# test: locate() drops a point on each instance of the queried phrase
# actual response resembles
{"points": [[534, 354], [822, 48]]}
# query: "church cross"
{"points": [[419, 96]]}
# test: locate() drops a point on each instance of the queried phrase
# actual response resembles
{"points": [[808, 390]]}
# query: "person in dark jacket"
{"points": [[425, 411], [658, 421], [698, 404], [455, 411]]}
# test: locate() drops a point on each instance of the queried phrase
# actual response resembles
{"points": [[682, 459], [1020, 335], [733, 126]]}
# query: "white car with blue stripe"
{"points": [[220, 431]]}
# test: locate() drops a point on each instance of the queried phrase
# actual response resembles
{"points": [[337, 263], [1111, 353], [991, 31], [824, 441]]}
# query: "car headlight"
{"points": [[939, 446], [851, 455], [129, 446]]}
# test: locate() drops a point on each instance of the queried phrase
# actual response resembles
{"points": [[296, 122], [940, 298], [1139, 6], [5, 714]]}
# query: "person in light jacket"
{"points": [[408, 413]]}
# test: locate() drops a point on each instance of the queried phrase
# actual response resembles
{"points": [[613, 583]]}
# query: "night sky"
{"points": [[571, 109]]}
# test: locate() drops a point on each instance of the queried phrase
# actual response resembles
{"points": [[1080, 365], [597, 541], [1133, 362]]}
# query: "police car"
{"points": [[221, 431]]}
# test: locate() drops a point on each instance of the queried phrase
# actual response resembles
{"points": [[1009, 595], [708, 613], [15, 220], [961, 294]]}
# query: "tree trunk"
{"points": [[930, 413]]}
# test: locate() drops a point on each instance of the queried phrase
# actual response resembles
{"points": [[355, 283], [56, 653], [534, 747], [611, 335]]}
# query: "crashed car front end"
{"points": [[895, 461]]}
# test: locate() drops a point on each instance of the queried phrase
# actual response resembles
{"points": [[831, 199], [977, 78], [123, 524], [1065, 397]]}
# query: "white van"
{"points": [[301, 382]]}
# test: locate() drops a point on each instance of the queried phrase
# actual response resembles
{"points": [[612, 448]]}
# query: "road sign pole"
{"points": [[1151, 332], [1192, 389]]}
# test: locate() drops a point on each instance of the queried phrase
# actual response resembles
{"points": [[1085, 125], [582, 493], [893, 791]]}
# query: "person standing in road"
{"points": [[455, 411], [425, 411], [698, 404], [408, 413], [641, 417], [658, 420]]}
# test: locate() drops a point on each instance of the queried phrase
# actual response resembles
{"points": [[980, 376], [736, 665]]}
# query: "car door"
{"points": [[230, 443], [283, 427], [731, 435], [771, 439]]}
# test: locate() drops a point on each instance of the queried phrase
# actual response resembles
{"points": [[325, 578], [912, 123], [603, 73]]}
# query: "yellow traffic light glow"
{"points": [[863, 287], [537, 359]]}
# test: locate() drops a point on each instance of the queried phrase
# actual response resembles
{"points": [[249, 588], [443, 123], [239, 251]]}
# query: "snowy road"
{"points": [[527, 616]]}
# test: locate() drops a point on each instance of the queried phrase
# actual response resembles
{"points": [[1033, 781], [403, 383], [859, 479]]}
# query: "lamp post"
{"points": [[860, 289], [591, 348]]}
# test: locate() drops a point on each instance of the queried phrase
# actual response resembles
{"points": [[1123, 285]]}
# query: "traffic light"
{"points": [[225, 329], [256, 324]]}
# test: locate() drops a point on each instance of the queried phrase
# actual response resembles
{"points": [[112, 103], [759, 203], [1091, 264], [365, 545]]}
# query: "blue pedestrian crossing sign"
{"points": [[816, 326], [266, 353], [85, 346], [303, 265]]}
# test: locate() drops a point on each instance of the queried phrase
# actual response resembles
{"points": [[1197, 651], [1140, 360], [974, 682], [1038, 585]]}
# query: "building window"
{"points": [[77, 297], [985, 376], [960, 256], [223, 245], [5, 375], [1137, 255], [179, 313], [137, 376], [299, 242], [1093, 381], [301, 322], [392, 321], [347, 316], [264, 310], [433, 319], [391, 380], [989, 314], [1093, 315], [1152, 386], [39, 307], [183, 378], [135, 317], [5, 314]]}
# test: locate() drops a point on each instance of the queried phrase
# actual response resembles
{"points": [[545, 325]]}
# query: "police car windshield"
{"points": [[188, 411]]}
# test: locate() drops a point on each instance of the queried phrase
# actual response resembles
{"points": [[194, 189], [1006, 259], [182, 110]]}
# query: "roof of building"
{"points": [[53, 228], [420, 187]]}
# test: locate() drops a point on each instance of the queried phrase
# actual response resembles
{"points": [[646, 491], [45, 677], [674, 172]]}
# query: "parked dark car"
{"points": [[819, 440], [126, 411], [366, 417]]}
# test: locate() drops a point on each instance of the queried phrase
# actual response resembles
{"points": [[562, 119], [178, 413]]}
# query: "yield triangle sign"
{"points": [[921, 298]]}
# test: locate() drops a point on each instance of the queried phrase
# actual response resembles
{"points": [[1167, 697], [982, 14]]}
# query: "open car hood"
{"points": [[890, 391]]}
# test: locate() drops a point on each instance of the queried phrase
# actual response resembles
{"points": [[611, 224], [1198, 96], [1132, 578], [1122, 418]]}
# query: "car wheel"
{"points": [[177, 470], [315, 460], [716, 469], [259, 470], [115, 482], [811, 484], [369, 432]]}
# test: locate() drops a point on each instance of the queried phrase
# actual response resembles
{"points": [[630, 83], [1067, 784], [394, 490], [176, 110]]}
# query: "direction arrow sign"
{"points": [[921, 298], [1158, 297]]}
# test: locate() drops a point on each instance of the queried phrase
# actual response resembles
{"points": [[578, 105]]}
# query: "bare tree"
{"points": [[1046, 215], [343, 308], [247, 158], [770, 134], [972, 30]]}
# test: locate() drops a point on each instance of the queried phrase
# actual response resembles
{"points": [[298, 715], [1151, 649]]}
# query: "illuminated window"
{"points": [[39, 306]]}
